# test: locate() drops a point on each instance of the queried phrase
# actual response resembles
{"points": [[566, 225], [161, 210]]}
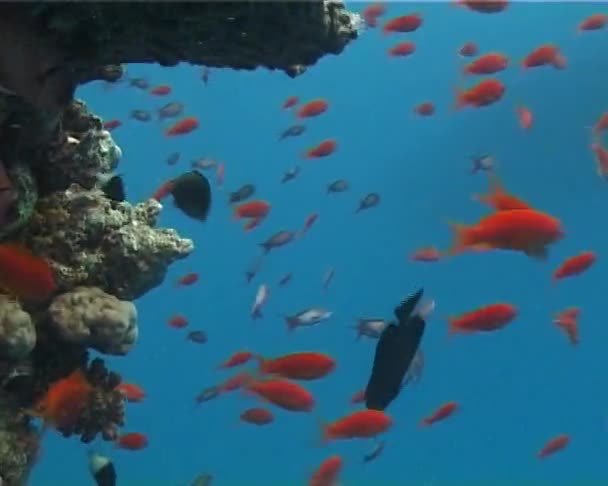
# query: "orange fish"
{"points": [[426, 255], [188, 279], [593, 22], [298, 366], [312, 108], [547, 54], [282, 393], [402, 49], [554, 445], [469, 49], [362, 424], [325, 148], [132, 393], [327, 472], [525, 230], [161, 90], [485, 319], [252, 209], [257, 416], [23, 274], [111, 125], [133, 441], [64, 401], [575, 265], [568, 321], [235, 382], [290, 102], [525, 117], [490, 63], [403, 24], [484, 6], [182, 127], [178, 322], [601, 124], [500, 199], [372, 13], [484, 93], [425, 109], [237, 359], [441, 413]]}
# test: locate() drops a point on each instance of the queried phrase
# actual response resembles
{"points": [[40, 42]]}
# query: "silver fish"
{"points": [[371, 328], [290, 174], [308, 317], [260, 299]]}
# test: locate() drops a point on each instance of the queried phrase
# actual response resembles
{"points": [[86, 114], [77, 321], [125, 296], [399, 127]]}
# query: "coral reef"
{"points": [[17, 331]]}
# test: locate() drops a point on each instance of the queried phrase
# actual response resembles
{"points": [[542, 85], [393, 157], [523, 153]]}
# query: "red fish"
{"points": [[111, 125], [362, 424], [544, 55], [568, 321], [182, 127], [403, 24], [372, 13], [575, 265], [252, 209], [235, 382], [554, 445], [500, 199], [484, 93], [298, 366], [282, 393], [469, 49], [601, 124], [327, 472], [325, 148], [133, 441], [309, 221], [161, 90], [484, 6], [188, 279], [485, 319], [178, 322], [426, 255], [425, 109], [593, 22], [22, 274], [163, 191], [525, 117], [402, 49], [358, 397], [237, 359], [601, 159], [132, 393], [257, 416], [490, 63], [290, 102], [312, 108], [441, 413]]}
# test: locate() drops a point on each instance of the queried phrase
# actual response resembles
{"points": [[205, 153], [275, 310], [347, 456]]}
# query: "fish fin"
{"points": [[462, 238], [324, 436], [292, 323], [404, 310]]}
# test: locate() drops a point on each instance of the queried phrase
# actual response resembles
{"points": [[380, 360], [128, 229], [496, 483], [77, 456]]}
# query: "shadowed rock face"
{"points": [[288, 35]]}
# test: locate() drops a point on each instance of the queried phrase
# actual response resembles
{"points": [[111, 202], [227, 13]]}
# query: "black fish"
{"points": [[102, 470], [369, 201], [192, 194], [114, 189], [293, 131], [395, 351], [244, 192], [140, 115]]}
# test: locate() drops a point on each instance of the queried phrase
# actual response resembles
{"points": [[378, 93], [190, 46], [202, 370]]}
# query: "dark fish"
{"points": [[199, 337], [192, 194], [293, 131], [205, 75], [114, 188], [207, 394], [290, 174], [369, 201], [337, 186], [140, 115], [285, 279], [395, 351], [254, 268], [278, 239], [170, 110], [244, 192], [139, 83], [203, 480], [482, 162], [102, 470], [375, 452], [173, 158]]}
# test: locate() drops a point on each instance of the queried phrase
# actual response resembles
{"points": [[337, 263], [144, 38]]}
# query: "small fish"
{"points": [[371, 328], [328, 277], [337, 186], [204, 164], [482, 162], [173, 158], [293, 131], [261, 298], [243, 193], [139, 83], [207, 394], [203, 479], [205, 75], [188, 279], [192, 194], [290, 174], [170, 110], [308, 317], [102, 469], [183, 127], [254, 268], [374, 453], [285, 279], [113, 187], [199, 337], [140, 115], [162, 90], [278, 239], [369, 201]]}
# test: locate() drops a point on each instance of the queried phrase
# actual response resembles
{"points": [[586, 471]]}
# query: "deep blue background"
{"points": [[517, 387]]}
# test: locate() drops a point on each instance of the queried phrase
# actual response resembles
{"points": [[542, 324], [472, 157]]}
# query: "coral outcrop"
{"points": [[17, 331]]}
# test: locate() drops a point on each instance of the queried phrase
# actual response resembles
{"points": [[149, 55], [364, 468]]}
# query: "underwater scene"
{"points": [[369, 259]]}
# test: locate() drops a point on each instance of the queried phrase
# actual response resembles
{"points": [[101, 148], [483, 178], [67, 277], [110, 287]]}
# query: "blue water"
{"points": [[517, 387]]}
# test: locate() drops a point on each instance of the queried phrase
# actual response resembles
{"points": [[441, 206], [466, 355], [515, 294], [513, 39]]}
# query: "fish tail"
{"points": [[324, 435], [265, 248], [462, 238], [425, 422], [291, 323]]}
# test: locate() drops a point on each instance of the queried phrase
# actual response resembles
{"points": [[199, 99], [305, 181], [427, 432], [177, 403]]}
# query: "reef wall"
{"points": [[103, 254]]}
